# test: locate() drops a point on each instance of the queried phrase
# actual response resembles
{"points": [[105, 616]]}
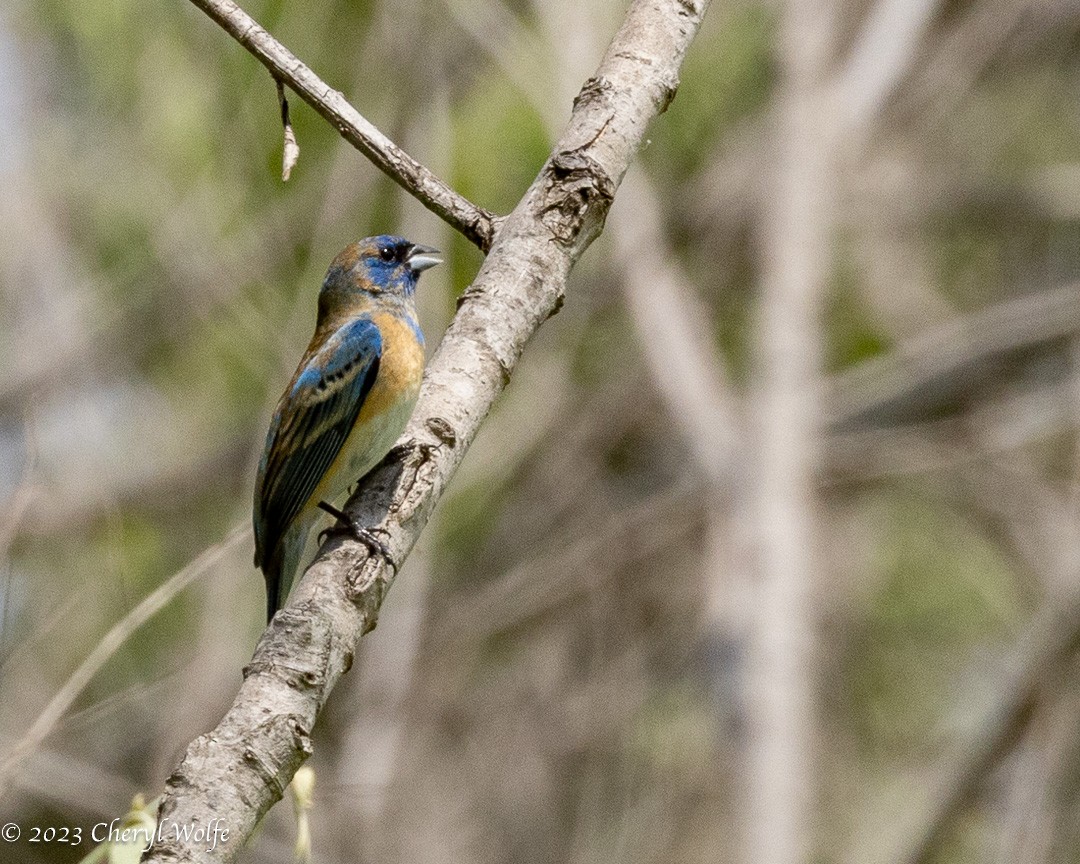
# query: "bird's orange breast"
{"points": [[401, 367]]}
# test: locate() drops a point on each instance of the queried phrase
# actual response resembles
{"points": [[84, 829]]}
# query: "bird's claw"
{"points": [[399, 452], [403, 450], [357, 531]]}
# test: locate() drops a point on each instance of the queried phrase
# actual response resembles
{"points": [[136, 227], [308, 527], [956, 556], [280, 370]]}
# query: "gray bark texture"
{"points": [[236, 772]]}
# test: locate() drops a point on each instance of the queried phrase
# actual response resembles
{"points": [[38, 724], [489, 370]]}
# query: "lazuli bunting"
{"points": [[347, 403]]}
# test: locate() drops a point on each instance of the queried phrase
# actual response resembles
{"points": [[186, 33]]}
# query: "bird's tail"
{"points": [[280, 566], [272, 573]]}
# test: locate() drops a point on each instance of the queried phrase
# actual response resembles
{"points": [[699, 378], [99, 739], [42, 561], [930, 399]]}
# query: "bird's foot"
{"points": [[399, 451], [407, 448], [357, 531]]}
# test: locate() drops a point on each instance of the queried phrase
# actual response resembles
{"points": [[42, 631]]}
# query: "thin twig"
{"points": [[108, 646], [475, 223]]}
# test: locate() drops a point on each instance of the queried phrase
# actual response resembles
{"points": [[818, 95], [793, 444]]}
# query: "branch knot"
{"points": [[577, 184]]}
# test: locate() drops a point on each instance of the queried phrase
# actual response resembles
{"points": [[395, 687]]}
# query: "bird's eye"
{"points": [[386, 253]]}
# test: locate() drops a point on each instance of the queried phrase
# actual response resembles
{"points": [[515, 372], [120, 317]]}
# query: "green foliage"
{"points": [[469, 520], [944, 591], [499, 144], [852, 333], [726, 78]]}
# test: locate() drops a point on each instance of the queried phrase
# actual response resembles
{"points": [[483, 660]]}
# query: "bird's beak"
{"points": [[421, 258]]}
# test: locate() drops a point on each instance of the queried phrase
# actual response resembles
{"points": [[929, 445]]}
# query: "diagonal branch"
{"points": [[948, 364], [475, 223], [237, 771], [150, 605], [1051, 640]]}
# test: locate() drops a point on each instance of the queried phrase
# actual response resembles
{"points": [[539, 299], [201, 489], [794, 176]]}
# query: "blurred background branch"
{"points": [[1048, 645], [796, 227], [110, 643]]}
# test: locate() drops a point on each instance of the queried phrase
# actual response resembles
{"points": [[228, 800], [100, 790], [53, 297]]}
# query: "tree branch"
{"points": [[237, 771], [475, 223]]}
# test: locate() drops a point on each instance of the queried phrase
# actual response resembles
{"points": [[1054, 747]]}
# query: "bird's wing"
{"points": [[310, 426]]}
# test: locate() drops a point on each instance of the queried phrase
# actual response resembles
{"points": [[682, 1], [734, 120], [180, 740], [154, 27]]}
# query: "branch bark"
{"points": [[475, 223], [238, 770]]}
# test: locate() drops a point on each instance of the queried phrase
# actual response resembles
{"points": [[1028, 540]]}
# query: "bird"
{"points": [[348, 402]]}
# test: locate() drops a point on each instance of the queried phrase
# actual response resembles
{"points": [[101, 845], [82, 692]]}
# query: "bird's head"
{"points": [[380, 268]]}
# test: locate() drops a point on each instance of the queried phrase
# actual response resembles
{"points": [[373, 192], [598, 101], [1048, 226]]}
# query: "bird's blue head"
{"points": [[383, 268]]}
